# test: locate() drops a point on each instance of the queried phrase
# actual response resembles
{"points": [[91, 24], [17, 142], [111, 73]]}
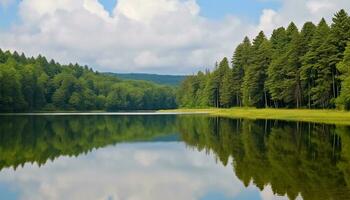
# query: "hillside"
{"points": [[36, 84], [172, 80]]}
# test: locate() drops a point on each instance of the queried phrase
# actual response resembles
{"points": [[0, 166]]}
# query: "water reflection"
{"points": [[169, 157]]}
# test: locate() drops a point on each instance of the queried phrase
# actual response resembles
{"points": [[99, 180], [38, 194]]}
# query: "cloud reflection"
{"points": [[129, 171]]}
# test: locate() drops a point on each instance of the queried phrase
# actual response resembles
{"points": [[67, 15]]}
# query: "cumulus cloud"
{"points": [[300, 11], [164, 36]]}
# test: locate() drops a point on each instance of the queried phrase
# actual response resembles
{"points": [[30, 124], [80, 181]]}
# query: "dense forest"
{"points": [[171, 80], [34, 84], [309, 68]]}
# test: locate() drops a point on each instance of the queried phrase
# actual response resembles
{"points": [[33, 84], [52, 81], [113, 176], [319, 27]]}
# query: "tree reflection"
{"points": [[311, 160], [296, 159], [37, 139]]}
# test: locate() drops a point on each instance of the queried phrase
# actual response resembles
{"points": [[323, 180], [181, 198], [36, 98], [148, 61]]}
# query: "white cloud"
{"points": [[164, 36], [300, 11]]}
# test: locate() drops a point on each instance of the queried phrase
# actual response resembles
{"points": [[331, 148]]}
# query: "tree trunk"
{"points": [[265, 98]]}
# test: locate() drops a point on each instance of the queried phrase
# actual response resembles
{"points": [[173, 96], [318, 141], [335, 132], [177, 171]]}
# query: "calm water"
{"points": [[171, 157]]}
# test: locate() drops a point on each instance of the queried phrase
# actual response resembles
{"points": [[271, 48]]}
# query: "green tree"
{"points": [[254, 90], [275, 71], [11, 97], [343, 101], [292, 91], [339, 37], [227, 94], [240, 62], [317, 60], [306, 71]]}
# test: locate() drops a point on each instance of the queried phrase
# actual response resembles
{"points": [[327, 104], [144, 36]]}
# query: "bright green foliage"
{"points": [[11, 97], [292, 69], [33, 84], [343, 101]]}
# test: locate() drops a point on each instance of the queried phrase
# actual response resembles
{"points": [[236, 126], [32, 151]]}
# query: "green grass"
{"points": [[306, 115]]}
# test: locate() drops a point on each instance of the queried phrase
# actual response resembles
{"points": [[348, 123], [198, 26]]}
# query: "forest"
{"points": [[35, 84], [309, 68]]}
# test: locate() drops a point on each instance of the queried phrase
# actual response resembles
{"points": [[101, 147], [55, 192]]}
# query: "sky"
{"points": [[149, 36]]}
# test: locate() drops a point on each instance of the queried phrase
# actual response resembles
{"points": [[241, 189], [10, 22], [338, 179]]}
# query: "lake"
{"points": [[150, 157]]}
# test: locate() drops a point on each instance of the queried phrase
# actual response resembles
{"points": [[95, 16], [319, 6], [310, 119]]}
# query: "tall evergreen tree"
{"points": [[318, 60], [306, 72], [219, 75], [291, 82], [339, 37], [279, 41], [227, 93], [343, 101], [240, 62], [254, 90]]}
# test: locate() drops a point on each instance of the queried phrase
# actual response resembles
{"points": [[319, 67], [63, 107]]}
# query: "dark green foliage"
{"points": [[171, 80], [254, 90], [240, 62], [343, 100], [291, 69], [28, 84]]}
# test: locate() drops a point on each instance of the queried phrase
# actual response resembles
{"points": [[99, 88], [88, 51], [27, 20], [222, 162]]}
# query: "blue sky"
{"points": [[212, 9]]}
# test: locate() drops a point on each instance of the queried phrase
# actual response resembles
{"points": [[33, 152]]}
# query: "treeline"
{"points": [[293, 69], [34, 84]]}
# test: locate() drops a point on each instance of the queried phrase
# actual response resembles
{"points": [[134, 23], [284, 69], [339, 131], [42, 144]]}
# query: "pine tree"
{"points": [[317, 60], [254, 90], [306, 72], [222, 70], [227, 93], [343, 101], [291, 82], [339, 37], [279, 41], [240, 62]]}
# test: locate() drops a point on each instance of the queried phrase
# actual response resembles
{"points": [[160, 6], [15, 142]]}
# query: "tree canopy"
{"points": [[34, 84]]}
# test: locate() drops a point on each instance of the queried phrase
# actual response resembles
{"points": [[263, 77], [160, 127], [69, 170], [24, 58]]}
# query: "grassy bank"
{"points": [[319, 116]]}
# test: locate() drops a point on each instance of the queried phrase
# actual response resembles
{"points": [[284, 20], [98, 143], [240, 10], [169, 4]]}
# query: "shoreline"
{"points": [[304, 115], [102, 113]]}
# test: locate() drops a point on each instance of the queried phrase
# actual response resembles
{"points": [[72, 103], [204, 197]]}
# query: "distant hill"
{"points": [[172, 80]]}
